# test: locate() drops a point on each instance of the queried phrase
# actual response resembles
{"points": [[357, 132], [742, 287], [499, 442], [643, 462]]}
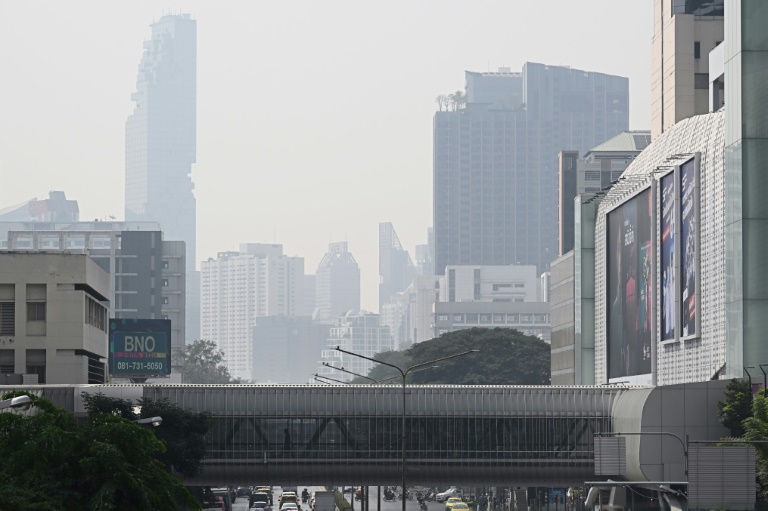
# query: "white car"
{"points": [[450, 492], [289, 506]]}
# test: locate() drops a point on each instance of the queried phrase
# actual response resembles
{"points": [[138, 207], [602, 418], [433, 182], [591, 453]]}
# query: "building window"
{"points": [[35, 311], [499, 287], [7, 318], [165, 300], [36, 364], [477, 284], [24, 244], [49, 242], [458, 318], [451, 285], [485, 318], [697, 50], [95, 314], [164, 265], [7, 362], [76, 242], [165, 282], [471, 318], [100, 242], [442, 317]]}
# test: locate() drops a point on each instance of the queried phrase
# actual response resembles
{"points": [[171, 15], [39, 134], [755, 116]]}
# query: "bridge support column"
{"points": [[378, 498]]}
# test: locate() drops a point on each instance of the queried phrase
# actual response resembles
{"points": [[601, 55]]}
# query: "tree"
{"points": [[182, 432], [756, 429], [506, 357], [736, 407], [53, 461], [200, 362]]}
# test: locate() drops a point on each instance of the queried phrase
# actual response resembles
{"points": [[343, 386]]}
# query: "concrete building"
{"points": [[562, 318], [286, 349], [531, 318], [53, 324], [684, 33], [396, 270], [160, 144], [489, 284], [337, 283], [238, 287], [410, 315], [147, 274], [359, 332], [56, 208], [309, 294], [495, 160], [600, 168]]}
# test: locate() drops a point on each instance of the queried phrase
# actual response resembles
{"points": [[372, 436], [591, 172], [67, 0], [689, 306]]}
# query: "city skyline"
{"points": [[362, 123]]}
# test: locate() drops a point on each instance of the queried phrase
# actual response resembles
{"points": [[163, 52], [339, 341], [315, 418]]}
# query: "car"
{"points": [[244, 491], [459, 506], [450, 492], [259, 505], [289, 506]]}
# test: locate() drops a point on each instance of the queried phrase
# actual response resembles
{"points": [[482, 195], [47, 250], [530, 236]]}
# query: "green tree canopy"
{"points": [[182, 431], [201, 362], [506, 357], [736, 407], [51, 461]]}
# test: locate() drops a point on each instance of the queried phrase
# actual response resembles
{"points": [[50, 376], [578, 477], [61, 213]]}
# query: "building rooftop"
{"points": [[628, 141]]}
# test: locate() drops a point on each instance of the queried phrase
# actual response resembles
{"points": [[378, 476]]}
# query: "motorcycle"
{"points": [[389, 496], [423, 506]]}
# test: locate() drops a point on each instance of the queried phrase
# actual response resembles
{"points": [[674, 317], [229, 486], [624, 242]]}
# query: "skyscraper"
{"points": [[160, 142], [337, 283], [495, 160], [396, 270]]}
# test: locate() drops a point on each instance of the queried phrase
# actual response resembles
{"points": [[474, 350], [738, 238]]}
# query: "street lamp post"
{"points": [[23, 402], [403, 375], [326, 364], [332, 379], [155, 421]]}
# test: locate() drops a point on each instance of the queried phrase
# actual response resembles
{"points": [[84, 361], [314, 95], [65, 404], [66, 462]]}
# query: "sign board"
{"points": [[139, 347]]}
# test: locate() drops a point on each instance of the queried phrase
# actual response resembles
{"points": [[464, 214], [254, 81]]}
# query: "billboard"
{"points": [[688, 249], [667, 228], [139, 347], [630, 279]]}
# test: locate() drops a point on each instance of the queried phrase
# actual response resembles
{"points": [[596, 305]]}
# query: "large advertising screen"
{"points": [[688, 248], [139, 347], [667, 270], [630, 307]]}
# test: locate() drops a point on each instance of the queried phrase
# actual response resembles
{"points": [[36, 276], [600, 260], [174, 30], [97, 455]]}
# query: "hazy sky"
{"points": [[314, 118]]}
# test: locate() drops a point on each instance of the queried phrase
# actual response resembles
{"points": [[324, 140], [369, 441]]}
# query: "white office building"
{"points": [[489, 284], [360, 333], [238, 287]]}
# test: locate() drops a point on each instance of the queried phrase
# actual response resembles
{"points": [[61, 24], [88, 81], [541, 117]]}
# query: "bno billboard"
{"points": [[139, 348], [630, 315]]}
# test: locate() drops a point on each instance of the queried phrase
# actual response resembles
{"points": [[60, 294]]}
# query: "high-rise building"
{"points": [[495, 160], [309, 295], [160, 142], [396, 270], [337, 283], [600, 169], [238, 287], [684, 33]]}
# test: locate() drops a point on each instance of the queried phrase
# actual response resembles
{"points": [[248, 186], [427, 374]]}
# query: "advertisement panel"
{"points": [[139, 347], [667, 270], [688, 247], [630, 279]]}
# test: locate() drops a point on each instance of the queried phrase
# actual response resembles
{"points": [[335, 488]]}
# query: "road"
{"points": [[411, 505]]}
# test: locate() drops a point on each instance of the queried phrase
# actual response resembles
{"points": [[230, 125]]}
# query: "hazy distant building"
{"points": [[147, 274], [160, 142], [238, 287], [309, 294], [286, 348], [495, 160], [489, 284], [600, 168], [357, 332], [410, 314], [337, 283], [684, 33], [56, 208], [530, 318], [396, 270]]}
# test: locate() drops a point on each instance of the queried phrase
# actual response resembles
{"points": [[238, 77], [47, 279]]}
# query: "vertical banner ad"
{"points": [[667, 229], [688, 250], [630, 279]]}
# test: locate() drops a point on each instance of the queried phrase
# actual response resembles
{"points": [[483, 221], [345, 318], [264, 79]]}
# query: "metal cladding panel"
{"points": [[721, 477], [610, 456], [362, 400]]}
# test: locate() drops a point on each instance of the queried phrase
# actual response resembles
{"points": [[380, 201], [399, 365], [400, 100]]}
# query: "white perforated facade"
{"points": [[700, 358]]}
